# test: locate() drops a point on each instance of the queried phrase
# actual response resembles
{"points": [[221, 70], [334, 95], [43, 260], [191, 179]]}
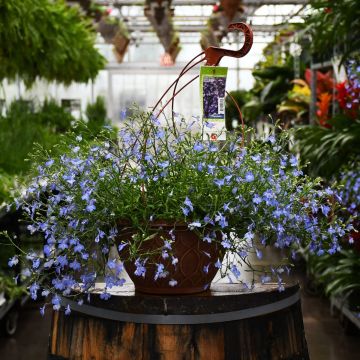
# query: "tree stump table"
{"points": [[226, 322]]}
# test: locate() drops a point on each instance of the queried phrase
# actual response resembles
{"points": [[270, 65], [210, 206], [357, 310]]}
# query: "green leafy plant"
{"points": [[24, 126], [46, 39], [270, 89], [225, 193], [327, 150], [298, 100], [11, 289], [335, 24], [96, 115], [333, 143], [7, 183], [339, 275]]}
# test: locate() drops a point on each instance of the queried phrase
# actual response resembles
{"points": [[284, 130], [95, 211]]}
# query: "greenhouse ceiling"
{"points": [[266, 16]]}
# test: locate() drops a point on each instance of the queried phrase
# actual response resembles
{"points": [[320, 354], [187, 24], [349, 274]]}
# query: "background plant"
{"points": [[332, 143], [335, 24], [46, 39]]}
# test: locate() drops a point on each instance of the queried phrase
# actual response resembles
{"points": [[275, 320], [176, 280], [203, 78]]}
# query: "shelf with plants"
{"points": [[331, 143], [274, 75], [160, 14]]}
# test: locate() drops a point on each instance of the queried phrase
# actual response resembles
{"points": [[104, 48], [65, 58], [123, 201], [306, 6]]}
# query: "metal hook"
{"points": [[213, 55]]}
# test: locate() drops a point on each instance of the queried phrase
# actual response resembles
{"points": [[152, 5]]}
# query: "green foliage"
{"points": [[335, 23], [55, 117], [339, 274], [22, 127], [10, 288], [7, 183], [96, 115], [46, 39], [271, 86], [327, 150]]}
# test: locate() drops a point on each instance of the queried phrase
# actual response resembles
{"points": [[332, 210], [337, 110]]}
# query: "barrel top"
{"points": [[220, 298]]}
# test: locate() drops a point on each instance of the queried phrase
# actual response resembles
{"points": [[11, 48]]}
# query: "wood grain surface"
{"points": [[275, 336]]}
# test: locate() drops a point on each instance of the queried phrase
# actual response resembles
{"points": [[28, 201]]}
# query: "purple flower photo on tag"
{"points": [[214, 93]]}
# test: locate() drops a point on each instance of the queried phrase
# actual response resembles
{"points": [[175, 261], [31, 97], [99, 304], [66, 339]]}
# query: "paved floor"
{"points": [[325, 336]]}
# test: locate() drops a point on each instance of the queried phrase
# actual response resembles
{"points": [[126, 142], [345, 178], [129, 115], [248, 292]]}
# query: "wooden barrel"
{"points": [[227, 322]]}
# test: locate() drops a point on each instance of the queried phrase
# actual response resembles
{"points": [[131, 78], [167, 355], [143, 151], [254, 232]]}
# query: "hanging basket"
{"points": [[231, 7], [121, 44]]}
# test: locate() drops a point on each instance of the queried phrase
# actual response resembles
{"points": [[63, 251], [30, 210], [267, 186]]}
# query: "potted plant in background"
{"points": [[177, 208], [217, 25], [160, 14], [114, 31]]}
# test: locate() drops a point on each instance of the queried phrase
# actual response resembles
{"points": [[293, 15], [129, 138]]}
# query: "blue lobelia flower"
{"points": [[219, 182], [206, 268], [105, 295], [99, 235], [33, 289], [249, 177], [91, 206], [189, 204], [160, 273], [13, 261], [140, 267], [67, 310], [198, 146]]}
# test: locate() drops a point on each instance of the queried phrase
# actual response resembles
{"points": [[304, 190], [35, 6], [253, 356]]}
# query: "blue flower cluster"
{"points": [[151, 171], [349, 193]]}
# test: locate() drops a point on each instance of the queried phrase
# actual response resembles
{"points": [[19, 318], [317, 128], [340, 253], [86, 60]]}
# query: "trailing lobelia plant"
{"points": [[148, 189]]}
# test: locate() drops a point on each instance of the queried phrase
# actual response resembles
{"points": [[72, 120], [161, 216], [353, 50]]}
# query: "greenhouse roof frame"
{"points": [[257, 3]]}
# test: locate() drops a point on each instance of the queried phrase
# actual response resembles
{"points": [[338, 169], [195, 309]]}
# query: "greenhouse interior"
{"points": [[180, 180]]}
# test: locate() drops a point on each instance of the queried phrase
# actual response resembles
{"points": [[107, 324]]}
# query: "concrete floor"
{"points": [[325, 336]]}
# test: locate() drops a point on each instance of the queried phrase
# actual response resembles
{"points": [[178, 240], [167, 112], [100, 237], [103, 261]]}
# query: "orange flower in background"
{"points": [[324, 82], [323, 106]]}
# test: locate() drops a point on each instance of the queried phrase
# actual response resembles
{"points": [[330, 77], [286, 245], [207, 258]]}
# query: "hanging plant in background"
{"points": [[223, 14], [160, 14], [115, 32], [46, 39]]}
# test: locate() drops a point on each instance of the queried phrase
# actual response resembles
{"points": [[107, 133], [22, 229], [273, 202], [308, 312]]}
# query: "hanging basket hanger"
{"points": [[212, 55]]}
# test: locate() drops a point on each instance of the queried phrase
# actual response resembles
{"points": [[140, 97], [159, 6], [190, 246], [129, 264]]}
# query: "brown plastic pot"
{"points": [[193, 256]]}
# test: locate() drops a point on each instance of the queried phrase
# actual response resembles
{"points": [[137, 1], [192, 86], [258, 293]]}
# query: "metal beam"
{"points": [[203, 2], [142, 67], [199, 28]]}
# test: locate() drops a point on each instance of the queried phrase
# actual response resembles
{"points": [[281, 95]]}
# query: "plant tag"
{"points": [[212, 95]]}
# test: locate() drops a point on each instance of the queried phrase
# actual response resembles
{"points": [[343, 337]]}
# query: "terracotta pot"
{"points": [[193, 256]]}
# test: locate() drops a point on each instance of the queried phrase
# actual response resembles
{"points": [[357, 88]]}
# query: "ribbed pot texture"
{"points": [[196, 258]]}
